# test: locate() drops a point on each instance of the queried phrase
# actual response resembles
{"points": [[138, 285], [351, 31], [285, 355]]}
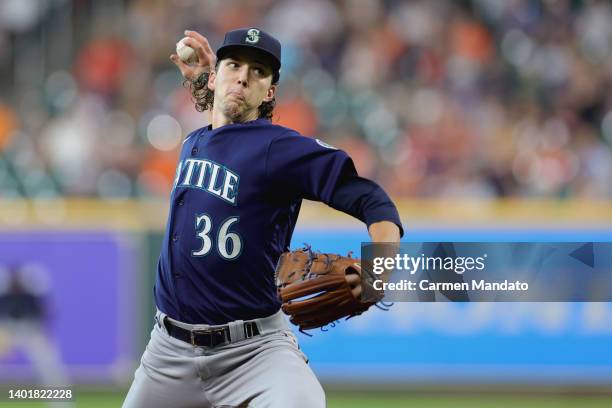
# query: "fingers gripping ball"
{"points": [[185, 52], [314, 290]]}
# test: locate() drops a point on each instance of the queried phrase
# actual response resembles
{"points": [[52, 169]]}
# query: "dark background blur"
{"points": [[479, 99]]}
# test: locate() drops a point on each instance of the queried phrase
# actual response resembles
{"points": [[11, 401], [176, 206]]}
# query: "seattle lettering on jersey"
{"points": [[209, 176]]}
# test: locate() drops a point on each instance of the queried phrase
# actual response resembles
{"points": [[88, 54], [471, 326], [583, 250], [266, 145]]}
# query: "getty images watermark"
{"points": [[460, 265], [490, 272]]}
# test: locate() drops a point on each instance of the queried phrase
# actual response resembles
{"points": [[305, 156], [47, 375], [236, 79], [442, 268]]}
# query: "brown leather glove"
{"points": [[314, 289]]}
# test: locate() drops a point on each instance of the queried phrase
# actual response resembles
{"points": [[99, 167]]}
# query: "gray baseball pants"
{"points": [[268, 371]]}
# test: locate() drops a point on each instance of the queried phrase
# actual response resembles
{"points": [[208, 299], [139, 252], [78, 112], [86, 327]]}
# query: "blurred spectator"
{"points": [[472, 98], [23, 318]]}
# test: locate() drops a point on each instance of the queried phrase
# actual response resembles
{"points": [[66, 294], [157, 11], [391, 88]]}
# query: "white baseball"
{"points": [[185, 52]]}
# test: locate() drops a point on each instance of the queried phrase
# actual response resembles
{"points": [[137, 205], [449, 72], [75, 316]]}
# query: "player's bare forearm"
{"points": [[384, 231]]}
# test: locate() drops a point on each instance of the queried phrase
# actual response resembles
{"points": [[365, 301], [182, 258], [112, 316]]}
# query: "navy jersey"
{"points": [[233, 208]]}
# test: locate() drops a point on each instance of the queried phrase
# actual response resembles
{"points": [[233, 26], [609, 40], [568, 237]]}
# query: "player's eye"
{"points": [[232, 64], [259, 71]]}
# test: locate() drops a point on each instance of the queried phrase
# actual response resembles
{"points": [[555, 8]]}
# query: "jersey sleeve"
{"points": [[300, 166], [365, 200]]}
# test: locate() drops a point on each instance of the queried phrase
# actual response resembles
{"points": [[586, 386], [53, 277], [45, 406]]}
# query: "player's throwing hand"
{"points": [[206, 57]]}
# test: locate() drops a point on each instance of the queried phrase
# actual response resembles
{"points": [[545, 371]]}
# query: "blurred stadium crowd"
{"points": [[462, 99]]}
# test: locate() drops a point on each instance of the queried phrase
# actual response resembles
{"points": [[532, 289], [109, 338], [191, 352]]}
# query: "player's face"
{"points": [[242, 82]]}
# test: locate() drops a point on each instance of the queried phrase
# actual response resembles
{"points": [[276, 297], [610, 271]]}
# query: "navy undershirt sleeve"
{"points": [[364, 200]]}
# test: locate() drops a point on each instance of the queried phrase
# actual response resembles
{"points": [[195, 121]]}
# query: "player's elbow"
{"points": [[384, 231]]}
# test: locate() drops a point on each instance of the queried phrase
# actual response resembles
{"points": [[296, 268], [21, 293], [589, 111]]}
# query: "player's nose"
{"points": [[243, 75]]}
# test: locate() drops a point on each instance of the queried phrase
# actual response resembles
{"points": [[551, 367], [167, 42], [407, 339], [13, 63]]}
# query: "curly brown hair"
{"points": [[204, 97]]}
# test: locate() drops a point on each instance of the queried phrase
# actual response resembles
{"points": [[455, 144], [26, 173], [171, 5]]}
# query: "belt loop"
{"points": [[236, 329], [160, 318]]}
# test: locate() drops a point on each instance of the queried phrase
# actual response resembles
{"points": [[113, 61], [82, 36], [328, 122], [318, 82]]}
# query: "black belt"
{"points": [[209, 337]]}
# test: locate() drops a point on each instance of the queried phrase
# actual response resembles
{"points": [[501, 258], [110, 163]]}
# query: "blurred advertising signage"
{"points": [[66, 306], [436, 339], [468, 343]]}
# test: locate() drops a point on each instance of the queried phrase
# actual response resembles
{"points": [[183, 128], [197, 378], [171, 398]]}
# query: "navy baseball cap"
{"points": [[256, 39]]}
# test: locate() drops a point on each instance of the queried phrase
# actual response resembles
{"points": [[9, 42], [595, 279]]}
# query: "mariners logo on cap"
{"points": [[252, 36]]}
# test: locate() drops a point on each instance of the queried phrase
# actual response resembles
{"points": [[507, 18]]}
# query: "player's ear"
{"points": [[211, 80], [270, 94]]}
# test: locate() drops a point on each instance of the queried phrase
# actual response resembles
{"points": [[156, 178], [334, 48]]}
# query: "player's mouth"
{"points": [[237, 95]]}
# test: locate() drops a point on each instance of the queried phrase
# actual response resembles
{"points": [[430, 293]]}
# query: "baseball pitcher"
{"points": [[220, 338]]}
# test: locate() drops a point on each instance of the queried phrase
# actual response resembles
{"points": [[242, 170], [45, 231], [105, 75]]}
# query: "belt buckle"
{"points": [[211, 333]]}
